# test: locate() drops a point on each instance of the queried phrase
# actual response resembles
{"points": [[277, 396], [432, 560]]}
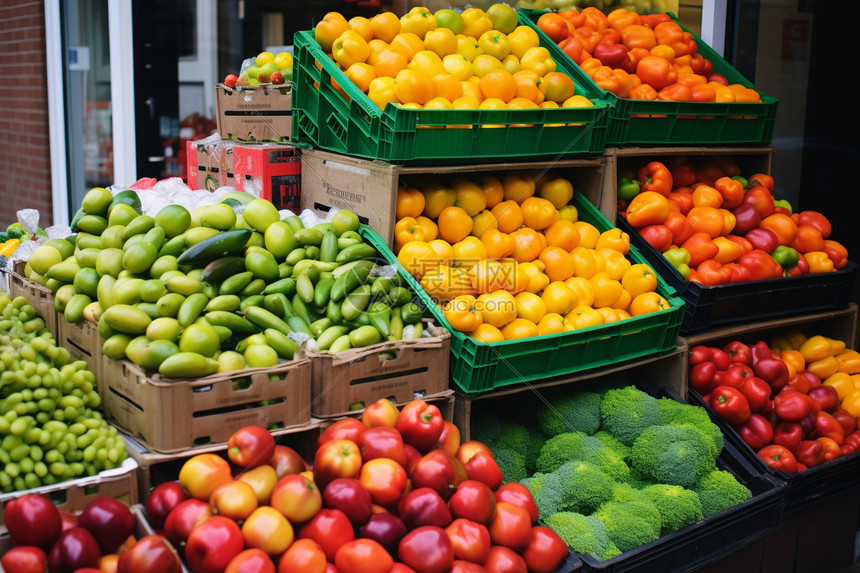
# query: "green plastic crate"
{"points": [[480, 367], [324, 117], [649, 123]]}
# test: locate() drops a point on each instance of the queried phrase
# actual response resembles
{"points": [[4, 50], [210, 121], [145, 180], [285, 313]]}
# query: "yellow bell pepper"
{"points": [[842, 383], [851, 403], [849, 361], [538, 59], [475, 22], [381, 91], [349, 48], [419, 21]]}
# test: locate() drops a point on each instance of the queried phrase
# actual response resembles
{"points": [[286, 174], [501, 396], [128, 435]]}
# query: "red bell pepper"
{"points": [[760, 350], [656, 177], [810, 453], [683, 174], [853, 439], [756, 390], [738, 352], [791, 405], [700, 353], [778, 458], [829, 427], [756, 432], [774, 371], [788, 435], [760, 265], [849, 422], [735, 376], [730, 404], [701, 377]]}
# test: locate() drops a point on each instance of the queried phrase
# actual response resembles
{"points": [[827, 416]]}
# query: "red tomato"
{"points": [[343, 429], [362, 556], [297, 497], [33, 520], [504, 560], [511, 526], [24, 559], [469, 540], [251, 561], [251, 446], [182, 519], [473, 500], [200, 475], [460, 566], [335, 459], [383, 412], [330, 528], [546, 551], [420, 424], [351, 497], [427, 549], [438, 470], [483, 467], [74, 549], [287, 461], [518, 494], [109, 520], [151, 553], [163, 497], [385, 480], [424, 506], [382, 442], [304, 555], [212, 544]]}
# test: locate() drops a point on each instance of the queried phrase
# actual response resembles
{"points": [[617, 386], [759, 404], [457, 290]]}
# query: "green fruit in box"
{"points": [[87, 257], [66, 248], [230, 360], [260, 356], [188, 365], [279, 239], [219, 216], [126, 318], [152, 290], [175, 219], [44, 257], [109, 262], [93, 224], [196, 235], [86, 281], [127, 197], [163, 264], [243, 198], [126, 291], [134, 348], [139, 258], [114, 346], [155, 352], [96, 201], [138, 226], [164, 328], [260, 213]]}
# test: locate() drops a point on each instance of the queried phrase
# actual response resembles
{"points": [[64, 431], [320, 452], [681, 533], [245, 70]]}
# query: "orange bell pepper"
{"points": [[819, 262], [703, 93], [745, 94], [647, 208], [849, 361], [679, 226], [607, 80], [701, 248], [732, 191], [656, 72], [652, 20], [675, 92], [837, 253], [713, 273], [655, 176], [682, 197], [643, 92], [745, 244], [724, 93], [590, 65], [729, 251], [620, 19], [691, 79], [594, 18], [637, 36]]}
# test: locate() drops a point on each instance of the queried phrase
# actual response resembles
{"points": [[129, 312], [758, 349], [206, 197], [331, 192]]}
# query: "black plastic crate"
{"points": [[805, 488], [710, 306]]}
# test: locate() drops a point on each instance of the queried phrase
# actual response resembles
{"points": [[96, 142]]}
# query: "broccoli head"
{"points": [[583, 487], [546, 490], [627, 525], [536, 441], [611, 551], [626, 412], [677, 413], [560, 449], [719, 490], [584, 534], [677, 455], [678, 507], [574, 412], [485, 425], [511, 462], [613, 443], [607, 460], [513, 436]]}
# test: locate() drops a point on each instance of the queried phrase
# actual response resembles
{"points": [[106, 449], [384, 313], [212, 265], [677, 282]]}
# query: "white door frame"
{"points": [[122, 101]]}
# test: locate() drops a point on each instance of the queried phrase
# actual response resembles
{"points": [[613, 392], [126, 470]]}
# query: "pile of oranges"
{"points": [[447, 60], [506, 257]]}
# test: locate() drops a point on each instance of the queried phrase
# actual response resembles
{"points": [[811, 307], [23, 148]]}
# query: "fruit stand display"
{"points": [[542, 312]]}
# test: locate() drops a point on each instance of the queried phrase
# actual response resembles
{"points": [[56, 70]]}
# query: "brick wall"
{"points": [[25, 176]]}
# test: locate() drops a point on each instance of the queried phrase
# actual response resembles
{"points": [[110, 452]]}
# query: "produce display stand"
{"points": [[39, 297]]}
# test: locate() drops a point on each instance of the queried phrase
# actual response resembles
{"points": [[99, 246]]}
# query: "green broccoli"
{"points": [[626, 412], [614, 444], [511, 462], [627, 527], [546, 490], [677, 413], [485, 425], [678, 507], [583, 487], [719, 490], [634, 499], [607, 460], [560, 449], [677, 455], [574, 412], [611, 551], [513, 436], [584, 534], [536, 441]]}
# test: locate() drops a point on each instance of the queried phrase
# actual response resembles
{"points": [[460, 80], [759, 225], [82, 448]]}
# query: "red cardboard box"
{"points": [[269, 171], [210, 163]]}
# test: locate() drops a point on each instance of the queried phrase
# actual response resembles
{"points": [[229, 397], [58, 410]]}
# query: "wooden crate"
{"points": [[174, 415], [346, 382]]}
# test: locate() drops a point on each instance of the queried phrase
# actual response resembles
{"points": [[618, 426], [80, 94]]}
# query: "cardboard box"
{"points": [[83, 342], [369, 188], [618, 159], [172, 415], [74, 495], [258, 113], [210, 163], [39, 297], [269, 171], [399, 370]]}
